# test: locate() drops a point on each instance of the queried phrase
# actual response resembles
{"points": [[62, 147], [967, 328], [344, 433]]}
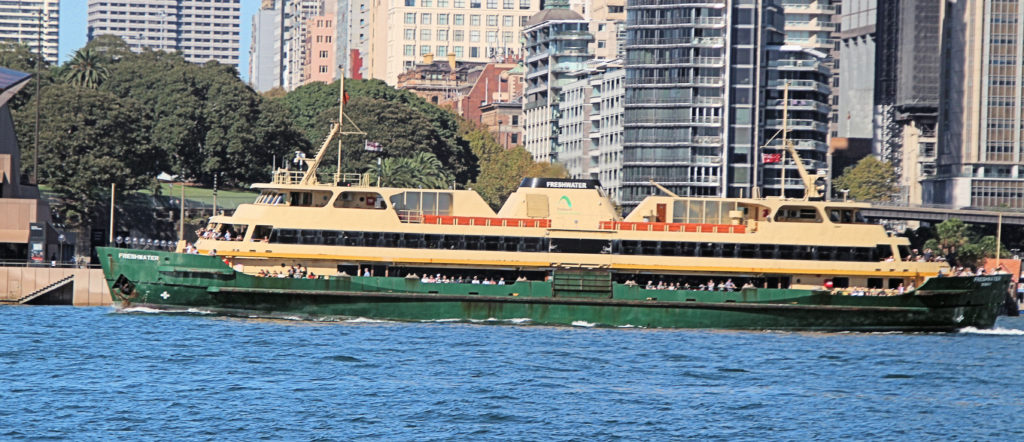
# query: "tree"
{"points": [[206, 122], [89, 140], [85, 69], [312, 107], [19, 57], [869, 180], [423, 170]]}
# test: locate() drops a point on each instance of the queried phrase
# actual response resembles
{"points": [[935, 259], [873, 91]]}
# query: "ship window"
{"points": [[428, 203], [875, 283], [803, 214], [301, 199], [360, 200], [262, 233]]}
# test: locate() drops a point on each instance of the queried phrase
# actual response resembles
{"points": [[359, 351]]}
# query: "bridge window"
{"points": [[423, 202], [844, 216], [360, 200], [802, 214], [702, 211]]}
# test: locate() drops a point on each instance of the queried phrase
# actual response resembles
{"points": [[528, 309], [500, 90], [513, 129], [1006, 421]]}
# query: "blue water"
{"points": [[90, 374]]}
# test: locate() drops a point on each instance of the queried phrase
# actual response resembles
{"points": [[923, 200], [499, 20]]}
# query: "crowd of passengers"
{"points": [[226, 235], [295, 272], [711, 286], [916, 255]]}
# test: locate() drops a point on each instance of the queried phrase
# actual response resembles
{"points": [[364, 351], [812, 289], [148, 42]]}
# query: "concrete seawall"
{"points": [[89, 288]]}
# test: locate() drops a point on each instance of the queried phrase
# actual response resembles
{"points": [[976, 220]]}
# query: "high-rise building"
{"points": [[802, 70], [202, 30], [607, 22], [555, 41], [980, 160], [403, 31], [297, 41], [590, 124], [32, 22], [907, 89], [857, 71], [355, 36], [694, 78], [266, 50]]}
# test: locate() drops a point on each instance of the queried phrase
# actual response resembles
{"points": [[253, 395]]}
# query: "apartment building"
{"points": [[590, 124], [403, 31], [694, 78], [980, 159], [34, 23], [555, 42], [202, 30]]}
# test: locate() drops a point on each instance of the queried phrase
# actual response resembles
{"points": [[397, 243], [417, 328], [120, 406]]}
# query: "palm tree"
{"points": [[422, 170], [85, 70]]}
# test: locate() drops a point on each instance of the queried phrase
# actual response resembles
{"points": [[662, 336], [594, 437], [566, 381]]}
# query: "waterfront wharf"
{"points": [[53, 285]]}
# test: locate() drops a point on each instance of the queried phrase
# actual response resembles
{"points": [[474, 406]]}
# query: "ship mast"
{"points": [[336, 130]]}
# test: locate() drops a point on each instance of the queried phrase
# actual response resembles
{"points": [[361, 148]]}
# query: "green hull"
{"points": [[174, 281]]}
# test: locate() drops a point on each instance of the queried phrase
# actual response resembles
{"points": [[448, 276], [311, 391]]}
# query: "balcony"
{"points": [[801, 85], [676, 101], [801, 124], [654, 4], [679, 21], [820, 146], [677, 62], [813, 8], [706, 42], [681, 81], [797, 105], [800, 65]]}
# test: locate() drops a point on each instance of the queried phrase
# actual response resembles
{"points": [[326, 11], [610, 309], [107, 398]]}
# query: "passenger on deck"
{"points": [[501, 281], [730, 286]]}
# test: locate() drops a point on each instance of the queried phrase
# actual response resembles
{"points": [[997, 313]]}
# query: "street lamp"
{"points": [[61, 238]]}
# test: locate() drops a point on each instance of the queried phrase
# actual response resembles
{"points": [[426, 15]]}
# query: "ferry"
{"points": [[557, 252]]}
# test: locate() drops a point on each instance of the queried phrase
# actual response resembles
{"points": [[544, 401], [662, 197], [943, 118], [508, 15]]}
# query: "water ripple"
{"points": [[87, 373]]}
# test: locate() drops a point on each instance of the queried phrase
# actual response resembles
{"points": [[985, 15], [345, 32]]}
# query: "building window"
{"points": [[460, 3], [515, 137], [442, 51], [424, 50], [442, 19], [474, 4], [515, 122], [425, 18], [474, 20], [323, 54], [508, 4], [474, 52], [600, 44], [492, 20], [492, 36], [409, 50], [410, 18], [425, 34], [458, 35], [507, 21], [442, 3], [426, 3], [492, 4], [458, 51], [474, 37], [410, 34], [523, 20], [410, 2], [460, 19], [442, 35], [506, 37], [524, 4], [323, 69]]}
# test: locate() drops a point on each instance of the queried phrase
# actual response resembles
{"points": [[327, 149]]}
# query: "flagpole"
{"points": [[785, 133], [341, 112]]}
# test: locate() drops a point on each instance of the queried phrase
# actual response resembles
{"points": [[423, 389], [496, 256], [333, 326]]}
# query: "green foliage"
{"points": [[90, 139], [20, 57], [965, 244], [422, 170], [869, 180], [501, 170], [382, 112], [206, 122], [85, 69]]}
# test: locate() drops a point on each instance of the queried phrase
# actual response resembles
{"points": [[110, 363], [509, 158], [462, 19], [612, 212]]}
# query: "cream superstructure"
{"points": [[560, 223]]}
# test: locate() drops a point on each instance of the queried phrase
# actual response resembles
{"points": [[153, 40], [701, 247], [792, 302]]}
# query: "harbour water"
{"points": [[92, 373]]}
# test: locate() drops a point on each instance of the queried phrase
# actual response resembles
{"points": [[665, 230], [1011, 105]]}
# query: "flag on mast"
{"points": [[769, 158], [373, 146]]}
